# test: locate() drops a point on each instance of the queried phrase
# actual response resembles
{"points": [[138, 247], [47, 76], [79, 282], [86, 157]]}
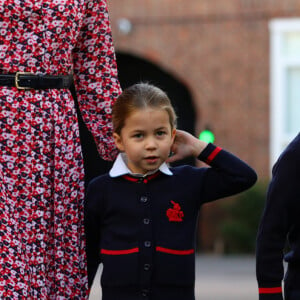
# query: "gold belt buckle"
{"points": [[17, 81]]}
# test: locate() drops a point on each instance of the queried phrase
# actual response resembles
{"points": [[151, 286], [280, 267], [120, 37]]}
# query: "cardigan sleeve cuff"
{"points": [[270, 293], [209, 153]]}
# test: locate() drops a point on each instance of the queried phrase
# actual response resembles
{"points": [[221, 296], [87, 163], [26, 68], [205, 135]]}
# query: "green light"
{"points": [[207, 136]]}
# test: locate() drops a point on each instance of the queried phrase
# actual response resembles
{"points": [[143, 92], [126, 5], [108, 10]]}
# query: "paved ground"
{"points": [[217, 278]]}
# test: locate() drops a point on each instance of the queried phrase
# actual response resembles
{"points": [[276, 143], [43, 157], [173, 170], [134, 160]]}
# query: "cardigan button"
{"points": [[146, 221], [144, 199], [147, 244], [145, 292], [146, 267]]}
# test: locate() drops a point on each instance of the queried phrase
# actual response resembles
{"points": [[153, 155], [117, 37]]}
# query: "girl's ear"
{"points": [[118, 141], [173, 134]]}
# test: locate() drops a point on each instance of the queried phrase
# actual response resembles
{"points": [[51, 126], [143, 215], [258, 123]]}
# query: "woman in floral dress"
{"points": [[42, 246]]}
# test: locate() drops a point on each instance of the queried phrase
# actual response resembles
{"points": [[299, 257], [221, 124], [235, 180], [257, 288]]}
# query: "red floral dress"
{"points": [[42, 247]]}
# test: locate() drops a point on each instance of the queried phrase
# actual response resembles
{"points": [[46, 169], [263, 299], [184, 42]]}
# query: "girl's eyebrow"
{"points": [[142, 130], [162, 127], [137, 130]]}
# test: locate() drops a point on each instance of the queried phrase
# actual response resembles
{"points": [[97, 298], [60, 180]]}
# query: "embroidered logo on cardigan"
{"points": [[175, 214]]}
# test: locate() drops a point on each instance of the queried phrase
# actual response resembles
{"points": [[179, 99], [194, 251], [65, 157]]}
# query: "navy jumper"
{"points": [[143, 229], [278, 236]]}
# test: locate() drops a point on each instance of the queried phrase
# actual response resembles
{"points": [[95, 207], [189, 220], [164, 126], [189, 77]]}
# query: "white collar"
{"points": [[120, 168]]}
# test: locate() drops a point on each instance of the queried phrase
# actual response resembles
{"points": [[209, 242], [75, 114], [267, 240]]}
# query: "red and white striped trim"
{"points": [[273, 290], [175, 252], [119, 252]]}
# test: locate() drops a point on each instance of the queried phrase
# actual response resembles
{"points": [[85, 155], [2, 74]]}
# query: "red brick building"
{"points": [[226, 57], [220, 50]]}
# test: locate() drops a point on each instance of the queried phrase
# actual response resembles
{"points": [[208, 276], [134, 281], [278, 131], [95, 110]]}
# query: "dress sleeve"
{"points": [[227, 175], [95, 75], [276, 222]]}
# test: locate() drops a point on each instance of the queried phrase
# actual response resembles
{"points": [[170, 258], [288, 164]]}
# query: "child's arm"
{"points": [[271, 239], [279, 217], [228, 174]]}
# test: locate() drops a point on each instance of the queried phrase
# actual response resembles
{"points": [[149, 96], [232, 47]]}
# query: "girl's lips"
{"points": [[152, 159]]}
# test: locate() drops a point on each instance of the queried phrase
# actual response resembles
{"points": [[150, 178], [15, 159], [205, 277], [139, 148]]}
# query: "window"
{"points": [[285, 83]]}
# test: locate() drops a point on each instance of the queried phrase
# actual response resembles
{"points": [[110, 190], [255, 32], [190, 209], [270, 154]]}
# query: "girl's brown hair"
{"points": [[139, 96]]}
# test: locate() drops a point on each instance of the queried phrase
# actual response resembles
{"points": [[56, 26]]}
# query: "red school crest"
{"points": [[175, 214]]}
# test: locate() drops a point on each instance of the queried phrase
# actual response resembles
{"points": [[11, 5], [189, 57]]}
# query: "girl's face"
{"points": [[146, 138]]}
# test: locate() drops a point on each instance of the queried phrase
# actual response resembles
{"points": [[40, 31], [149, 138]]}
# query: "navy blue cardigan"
{"points": [[281, 221], [143, 230]]}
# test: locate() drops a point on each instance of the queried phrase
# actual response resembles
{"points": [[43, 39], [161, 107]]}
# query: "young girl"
{"points": [[141, 217]]}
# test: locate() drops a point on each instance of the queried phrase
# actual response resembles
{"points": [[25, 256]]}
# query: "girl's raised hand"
{"points": [[185, 145]]}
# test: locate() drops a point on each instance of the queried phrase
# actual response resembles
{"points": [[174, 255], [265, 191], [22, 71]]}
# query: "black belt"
{"points": [[25, 81]]}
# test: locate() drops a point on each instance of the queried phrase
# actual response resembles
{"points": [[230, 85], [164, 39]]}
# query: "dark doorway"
{"points": [[133, 69]]}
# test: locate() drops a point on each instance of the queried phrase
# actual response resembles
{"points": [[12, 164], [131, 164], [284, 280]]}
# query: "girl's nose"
{"points": [[151, 143]]}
